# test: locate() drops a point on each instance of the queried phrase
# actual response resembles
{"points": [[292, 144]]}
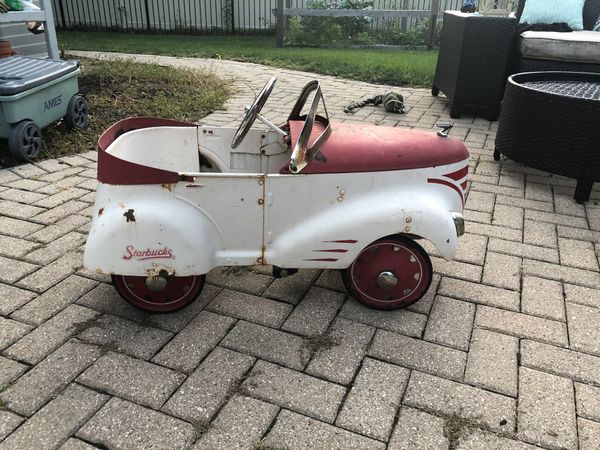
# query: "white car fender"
{"points": [[423, 214], [152, 231]]}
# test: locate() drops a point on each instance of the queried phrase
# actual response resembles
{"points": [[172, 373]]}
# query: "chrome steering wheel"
{"points": [[252, 113]]}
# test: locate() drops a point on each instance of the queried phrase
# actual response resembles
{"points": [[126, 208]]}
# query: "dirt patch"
{"points": [[312, 345]]}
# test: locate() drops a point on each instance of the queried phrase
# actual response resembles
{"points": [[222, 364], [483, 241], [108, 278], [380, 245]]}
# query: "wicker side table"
{"points": [[472, 62], [551, 121]]}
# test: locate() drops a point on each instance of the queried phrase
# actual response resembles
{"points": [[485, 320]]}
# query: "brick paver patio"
{"points": [[502, 353]]}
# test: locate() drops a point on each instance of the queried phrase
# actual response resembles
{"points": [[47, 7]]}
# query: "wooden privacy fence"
{"points": [[283, 12]]}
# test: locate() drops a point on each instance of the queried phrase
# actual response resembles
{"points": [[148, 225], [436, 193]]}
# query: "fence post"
{"points": [[288, 5], [61, 9], [147, 15], [280, 24], [404, 20], [435, 6]]}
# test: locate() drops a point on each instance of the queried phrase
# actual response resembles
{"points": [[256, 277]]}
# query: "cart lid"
{"points": [[20, 73]]}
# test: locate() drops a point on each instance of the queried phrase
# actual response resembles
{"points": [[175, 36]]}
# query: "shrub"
{"points": [[315, 30], [319, 31]]}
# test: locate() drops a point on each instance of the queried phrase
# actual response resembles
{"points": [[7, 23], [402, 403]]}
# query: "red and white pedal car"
{"points": [[176, 200]]}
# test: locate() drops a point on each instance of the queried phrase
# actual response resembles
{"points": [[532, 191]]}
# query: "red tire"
{"points": [[176, 294], [390, 273]]}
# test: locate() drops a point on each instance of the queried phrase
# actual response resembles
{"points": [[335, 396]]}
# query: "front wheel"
{"points": [[25, 140], [159, 294], [390, 273]]}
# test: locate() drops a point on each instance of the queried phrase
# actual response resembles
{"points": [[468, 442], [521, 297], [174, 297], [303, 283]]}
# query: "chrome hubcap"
{"points": [[156, 283], [387, 280]]}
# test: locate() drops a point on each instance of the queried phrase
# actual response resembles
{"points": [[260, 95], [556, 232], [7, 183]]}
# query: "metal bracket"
{"points": [[302, 153], [445, 128]]}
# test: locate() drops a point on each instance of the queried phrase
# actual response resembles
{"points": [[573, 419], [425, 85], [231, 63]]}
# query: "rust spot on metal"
{"points": [[169, 186], [100, 211], [129, 215], [158, 270], [161, 273], [260, 201], [261, 260]]}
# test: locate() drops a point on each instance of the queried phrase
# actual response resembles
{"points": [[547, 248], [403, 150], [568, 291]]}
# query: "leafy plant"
{"points": [[228, 16], [329, 30], [417, 35]]}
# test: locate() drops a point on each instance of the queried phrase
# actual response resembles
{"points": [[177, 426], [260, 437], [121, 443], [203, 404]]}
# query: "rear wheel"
{"points": [[77, 113], [390, 273], [159, 294]]}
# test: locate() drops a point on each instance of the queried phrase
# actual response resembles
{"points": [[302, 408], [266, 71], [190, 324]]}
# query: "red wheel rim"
{"points": [[178, 292], [406, 265]]}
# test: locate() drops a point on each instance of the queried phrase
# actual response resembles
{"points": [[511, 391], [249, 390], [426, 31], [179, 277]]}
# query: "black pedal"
{"points": [[280, 272]]}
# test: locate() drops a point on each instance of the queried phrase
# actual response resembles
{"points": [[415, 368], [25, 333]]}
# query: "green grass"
{"points": [[384, 66], [118, 89]]}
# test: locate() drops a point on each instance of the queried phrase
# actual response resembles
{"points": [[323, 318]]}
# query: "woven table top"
{"points": [[571, 88]]}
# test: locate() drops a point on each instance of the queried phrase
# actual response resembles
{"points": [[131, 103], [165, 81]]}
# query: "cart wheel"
{"points": [[435, 91], [390, 273], [159, 294], [496, 154], [77, 117], [25, 140]]}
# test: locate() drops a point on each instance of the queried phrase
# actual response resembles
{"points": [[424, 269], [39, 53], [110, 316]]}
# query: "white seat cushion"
{"points": [[577, 46]]}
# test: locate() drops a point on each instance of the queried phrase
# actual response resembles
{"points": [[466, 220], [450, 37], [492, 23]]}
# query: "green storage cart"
{"points": [[33, 94]]}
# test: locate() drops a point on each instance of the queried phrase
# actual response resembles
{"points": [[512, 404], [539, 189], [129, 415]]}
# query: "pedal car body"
{"points": [[175, 200]]}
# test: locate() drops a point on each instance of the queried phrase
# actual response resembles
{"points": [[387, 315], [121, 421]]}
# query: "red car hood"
{"points": [[370, 148]]}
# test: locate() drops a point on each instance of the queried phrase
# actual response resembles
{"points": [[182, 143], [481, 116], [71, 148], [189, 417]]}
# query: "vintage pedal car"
{"points": [[176, 200]]}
